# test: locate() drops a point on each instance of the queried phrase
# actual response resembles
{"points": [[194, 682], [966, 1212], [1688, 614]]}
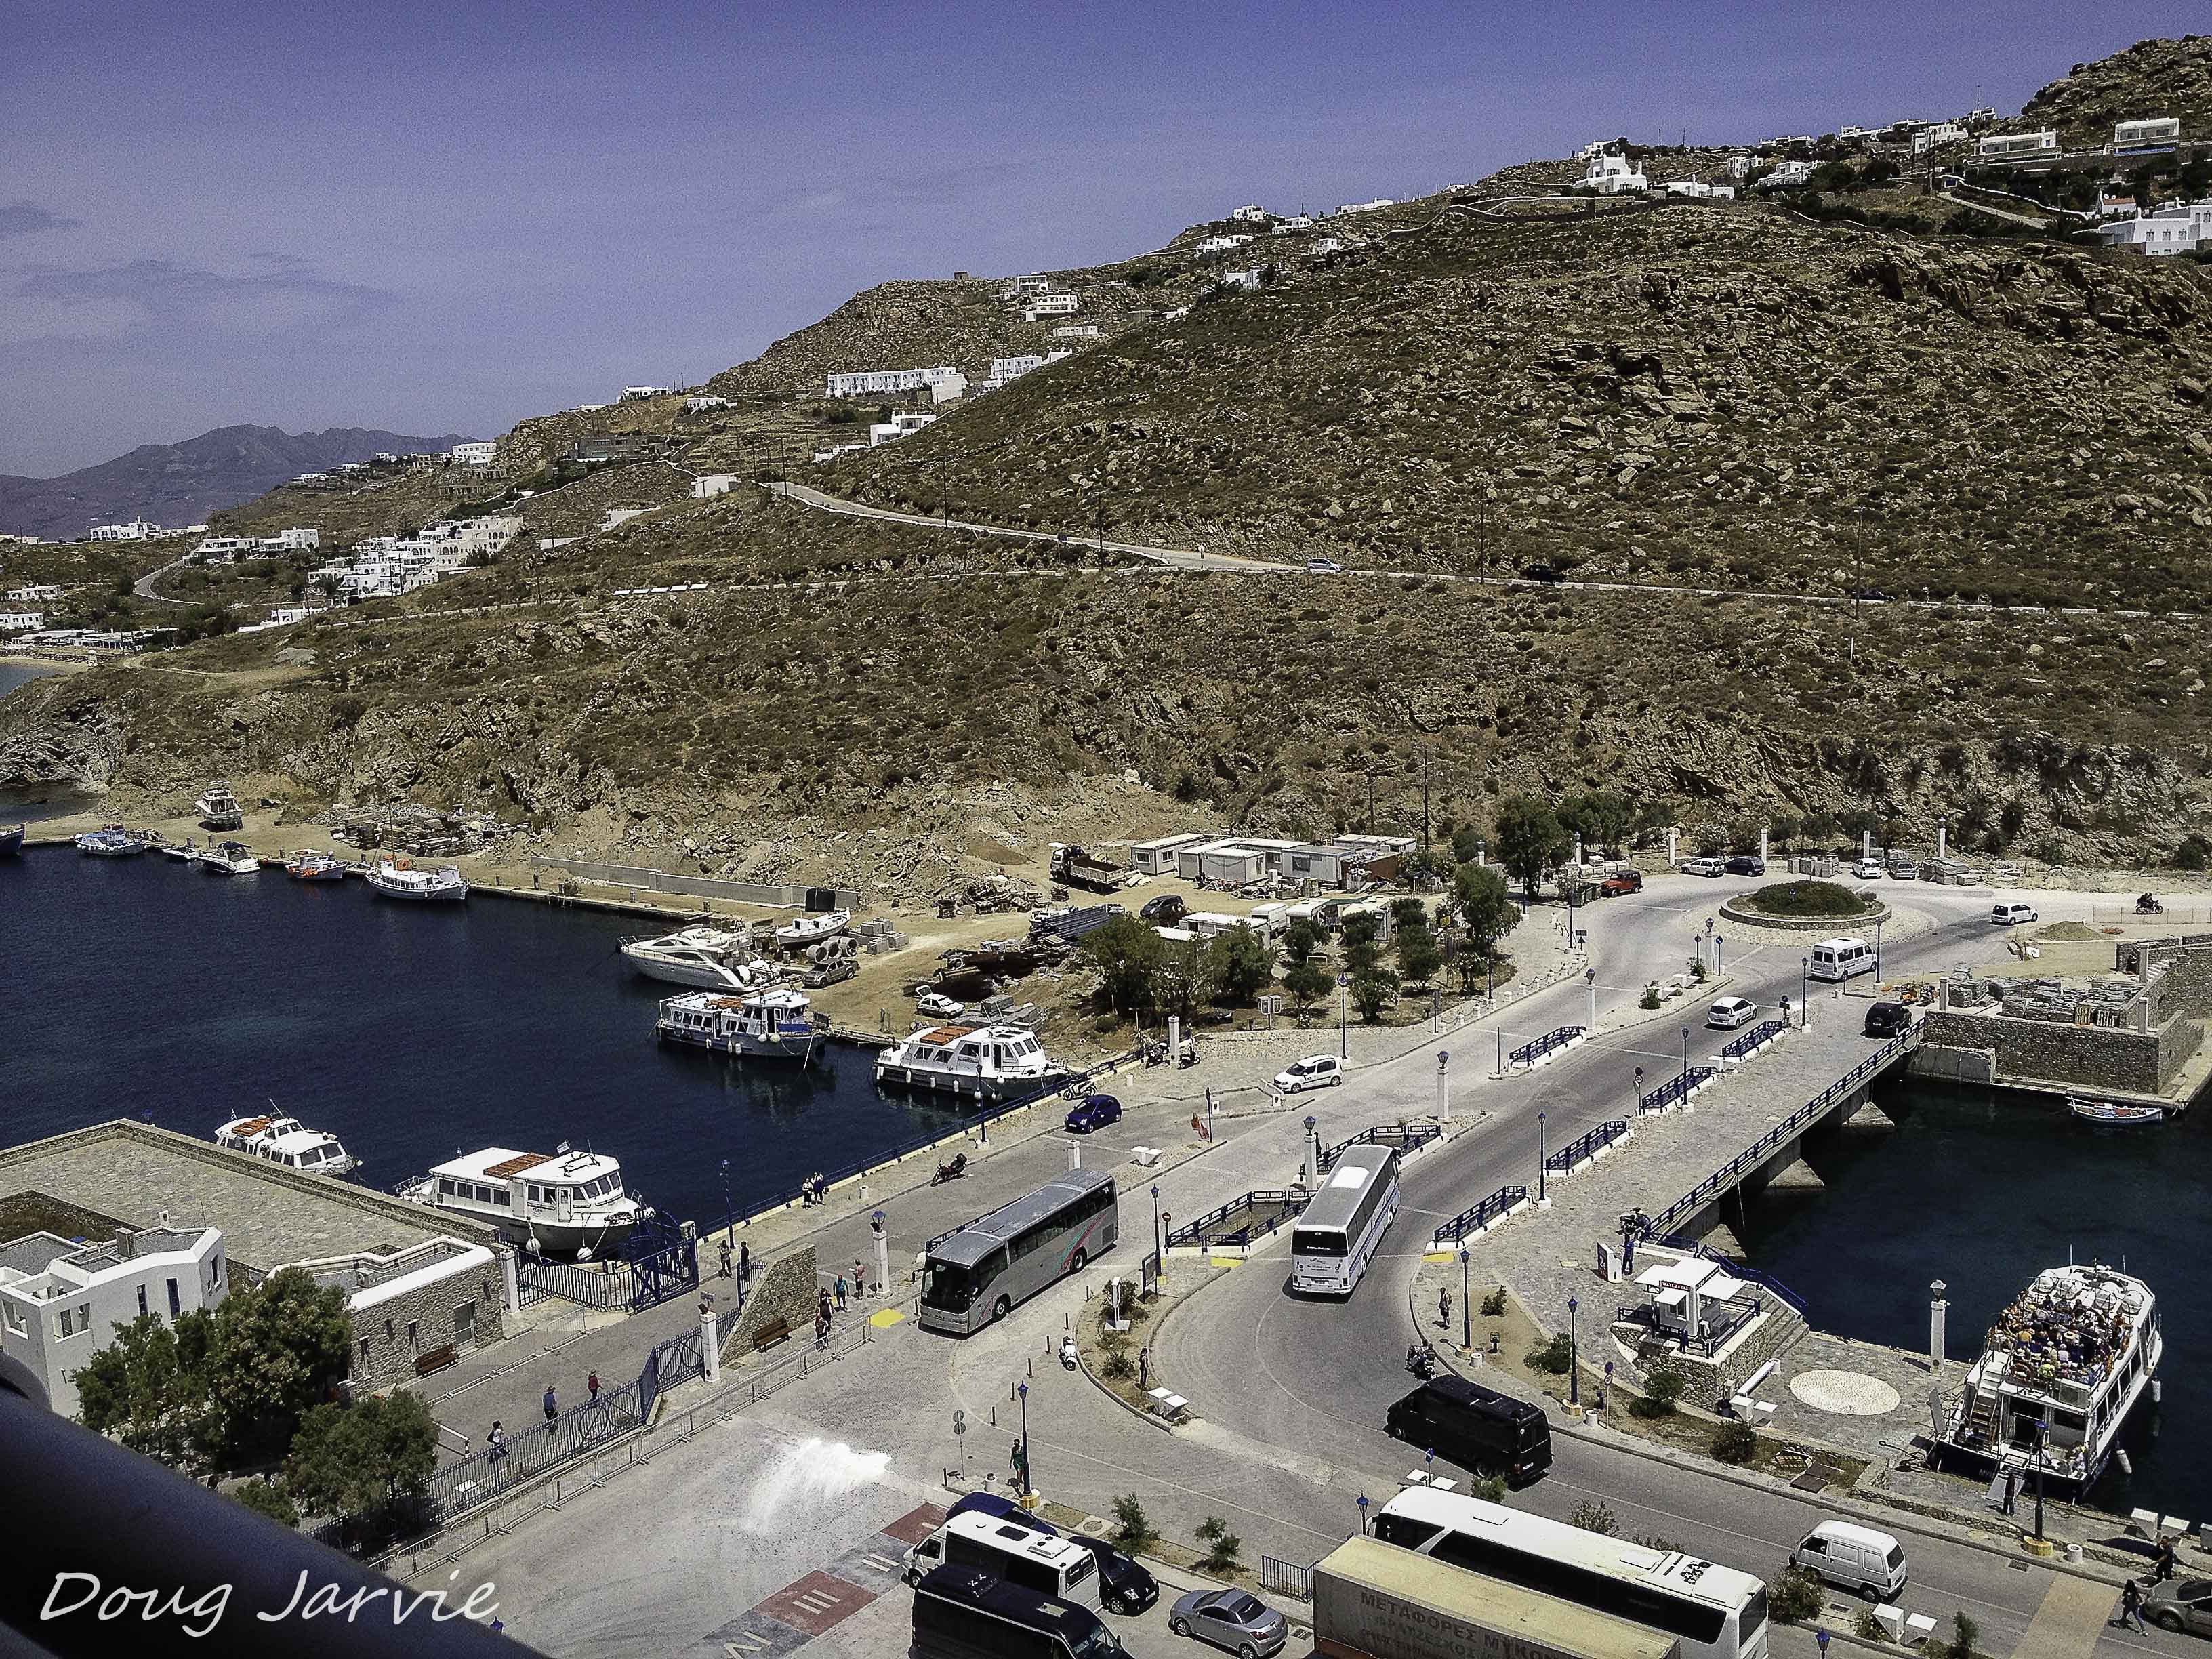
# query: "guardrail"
{"points": [[1669, 1219], [1529, 1053], [1490, 1209], [1292, 1203], [1406, 1137], [1760, 1034], [1679, 1087], [1737, 1269], [1588, 1146], [1286, 1578]]}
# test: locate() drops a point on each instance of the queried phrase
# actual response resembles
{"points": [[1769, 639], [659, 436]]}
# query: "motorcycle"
{"points": [[1421, 1360], [952, 1171], [2149, 905]]}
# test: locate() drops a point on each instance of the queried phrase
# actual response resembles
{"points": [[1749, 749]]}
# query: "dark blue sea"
{"points": [[1982, 1189], [145, 988]]}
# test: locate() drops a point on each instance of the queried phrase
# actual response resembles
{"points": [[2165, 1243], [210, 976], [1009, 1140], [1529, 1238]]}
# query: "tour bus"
{"points": [[1716, 1612], [1338, 1233], [961, 1612], [1841, 958], [976, 1274], [1022, 1555]]}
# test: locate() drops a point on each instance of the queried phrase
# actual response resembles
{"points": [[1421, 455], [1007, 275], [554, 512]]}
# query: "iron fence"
{"points": [[1481, 1215], [1286, 1578], [1529, 1053], [1406, 1137], [1677, 1088], [598, 1285], [533, 1448], [1208, 1228], [1587, 1147], [1766, 1031]]}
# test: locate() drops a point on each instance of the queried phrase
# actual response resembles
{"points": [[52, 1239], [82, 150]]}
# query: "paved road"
{"points": [[144, 587]]}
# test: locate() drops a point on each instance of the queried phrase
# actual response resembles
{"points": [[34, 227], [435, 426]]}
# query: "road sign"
{"points": [[960, 1422]]}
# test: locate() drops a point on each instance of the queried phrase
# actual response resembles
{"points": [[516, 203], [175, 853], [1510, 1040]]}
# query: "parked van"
{"points": [[2006, 915], [1314, 1072], [1854, 1557], [1480, 1430], [1021, 1554], [1841, 958], [1703, 867]]}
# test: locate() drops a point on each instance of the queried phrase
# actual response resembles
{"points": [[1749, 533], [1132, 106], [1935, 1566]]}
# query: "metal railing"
{"points": [[1766, 1031], [1670, 1218], [1529, 1053], [1780, 1291], [1722, 1320], [1482, 1214], [1406, 1137], [1286, 1578], [1207, 1229], [1587, 1147], [1676, 1088]]}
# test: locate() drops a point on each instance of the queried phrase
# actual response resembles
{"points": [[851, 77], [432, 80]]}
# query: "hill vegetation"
{"points": [[2150, 78]]}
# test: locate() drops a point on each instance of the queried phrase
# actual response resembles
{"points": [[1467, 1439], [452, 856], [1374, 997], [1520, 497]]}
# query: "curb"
{"points": [[1882, 913]]}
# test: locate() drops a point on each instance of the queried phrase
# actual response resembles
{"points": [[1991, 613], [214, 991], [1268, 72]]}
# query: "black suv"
{"points": [[1746, 864], [1123, 1586], [1889, 1019], [1477, 1428], [1167, 908]]}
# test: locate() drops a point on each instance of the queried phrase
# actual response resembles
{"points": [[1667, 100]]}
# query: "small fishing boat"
{"points": [[564, 1203], [403, 881], [11, 839], [2112, 1114], [287, 1142], [315, 867], [228, 858], [113, 842], [764, 1025], [218, 808], [807, 930]]}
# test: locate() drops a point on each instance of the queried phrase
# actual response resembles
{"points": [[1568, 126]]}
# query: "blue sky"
{"points": [[445, 218]]}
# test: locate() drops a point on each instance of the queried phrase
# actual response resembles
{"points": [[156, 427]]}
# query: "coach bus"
{"points": [[975, 1275], [1715, 1612], [1338, 1234]]}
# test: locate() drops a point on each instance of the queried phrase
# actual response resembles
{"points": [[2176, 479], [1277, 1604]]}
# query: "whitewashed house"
{"points": [[34, 592], [2170, 230], [1942, 133], [1787, 175], [942, 383], [1368, 207], [2016, 146], [472, 455], [1297, 222], [1076, 331], [631, 394], [1004, 369], [700, 404], [61, 1300], [1052, 305], [1251, 214], [299, 539], [2154, 132], [1246, 282], [1217, 245], [1020, 288], [22, 622], [713, 485], [1740, 165], [1611, 173], [1327, 244], [138, 530], [903, 424], [1698, 190]]}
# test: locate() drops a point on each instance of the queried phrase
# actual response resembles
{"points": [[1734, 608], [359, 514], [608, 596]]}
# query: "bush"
{"points": [[1133, 1527], [2194, 854], [1965, 1632], [1868, 1628], [1553, 1356], [1593, 1516], [1794, 1596], [1221, 1544], [1650, 998], [1489, 1488], [1118, 1366], [1805, 898], [1662, 1386], [1493, 1304], [263, 1498], [1735, 1442]]}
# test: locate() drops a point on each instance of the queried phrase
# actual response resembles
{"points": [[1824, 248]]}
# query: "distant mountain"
{"points": [[181, 484]]}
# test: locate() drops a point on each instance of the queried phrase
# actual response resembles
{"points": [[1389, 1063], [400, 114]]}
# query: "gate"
{"points": [[658, 1262]]}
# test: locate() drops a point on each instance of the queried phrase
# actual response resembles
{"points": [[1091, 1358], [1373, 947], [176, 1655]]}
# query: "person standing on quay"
{"points": [[591, 1385], [552, 1404], [744, 1262], [840, 1292]]}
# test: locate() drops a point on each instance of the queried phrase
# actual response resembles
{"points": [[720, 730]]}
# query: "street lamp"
{"points": [[2041, 1430], [1686, 1062], [1028, 1471], [1639, 1090], [1159, 1250], [1718, 942], [1343, 1013], [1574, 1366], [1805, 994], [1363, 1514], [725, 1192], [1466, 1313], [1877, 952], [1540, 1158]]}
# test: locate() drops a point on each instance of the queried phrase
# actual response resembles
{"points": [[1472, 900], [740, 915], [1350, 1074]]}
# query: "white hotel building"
{"points": [[60, 1301], [942, 383]]}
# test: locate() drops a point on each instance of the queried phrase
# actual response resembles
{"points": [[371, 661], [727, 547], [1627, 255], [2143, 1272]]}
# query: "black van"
{"points": [[1479, 1429], [964, 1613]]}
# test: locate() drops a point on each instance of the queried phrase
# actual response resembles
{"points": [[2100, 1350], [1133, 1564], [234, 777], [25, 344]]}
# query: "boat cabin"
{"points": [[524, 1185]]}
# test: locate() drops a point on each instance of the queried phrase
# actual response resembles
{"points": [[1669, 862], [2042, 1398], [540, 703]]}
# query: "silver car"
{"points": [[1232, 1618], [2186, 1606]]}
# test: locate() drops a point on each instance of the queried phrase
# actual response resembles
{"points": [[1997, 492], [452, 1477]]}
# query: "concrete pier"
{"points": [[1798, 1177]]}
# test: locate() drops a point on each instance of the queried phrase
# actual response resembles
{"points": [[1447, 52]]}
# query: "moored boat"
{"points": [[983, 1063], [228, 858], [218, 808], [2060, 1371], [561, 1203], [287, 1142], [712, 958], [2111, 1114], [315, 867], [113, 842], [11, 839], [764, 1024], [444, 886], [807, 930]]}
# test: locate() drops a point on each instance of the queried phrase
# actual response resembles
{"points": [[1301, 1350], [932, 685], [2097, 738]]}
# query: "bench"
{"points": [[436, 1360], [767, 1336]]}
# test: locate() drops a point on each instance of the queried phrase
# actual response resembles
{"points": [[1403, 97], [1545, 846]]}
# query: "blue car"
{"points": [[1095, 1113]]}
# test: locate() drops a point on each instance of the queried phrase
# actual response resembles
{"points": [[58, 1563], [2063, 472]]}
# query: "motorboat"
{"points": [[2058, 1375], [772, 1025], [315, 867], [289, 1143], [401, 880], [228, 858], [710, 958], [11, 839], [218, 808], [982, 1062], [113, 842], [184, 852], [562, 1203], [808, 930], [2112, 1114]]}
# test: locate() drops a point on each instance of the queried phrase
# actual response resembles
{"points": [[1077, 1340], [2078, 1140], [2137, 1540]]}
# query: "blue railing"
{"points": [[1676, 1088], [1204, 1231], [1529, 1053], [1737, 1269], [1406, 1137], [1766, 1031], [1588, 1146], [1483, 1215]]}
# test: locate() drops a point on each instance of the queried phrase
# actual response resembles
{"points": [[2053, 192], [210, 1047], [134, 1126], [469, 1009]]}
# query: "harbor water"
{"points": [[1984, 1189], [147, 988]]}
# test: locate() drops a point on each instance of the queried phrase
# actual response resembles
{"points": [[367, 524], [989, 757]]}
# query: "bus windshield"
{"points": [[1318, 1241], [953, 1286]]}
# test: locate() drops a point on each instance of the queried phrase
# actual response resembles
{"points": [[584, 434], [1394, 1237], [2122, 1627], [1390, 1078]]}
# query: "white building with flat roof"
{"points": [[903, 424], [138, 530], [1943, 132], [1611, 173], [1246, 282], [1251, 214], [61, 1300], [36, 591], [2012, 146], [1052, 305], [473, 454], [1076, 331], [299, 539], [942, 383], [2182, 228], [1295, 224], [712, 484], [22, 622]]}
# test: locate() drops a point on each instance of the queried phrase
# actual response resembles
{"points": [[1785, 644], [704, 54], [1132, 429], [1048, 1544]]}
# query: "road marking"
{"points": [[2072, 1615], [883, 1318]]}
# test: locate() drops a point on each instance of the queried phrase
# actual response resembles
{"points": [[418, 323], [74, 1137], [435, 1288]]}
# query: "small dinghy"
{"points": [[2111, 1114]]}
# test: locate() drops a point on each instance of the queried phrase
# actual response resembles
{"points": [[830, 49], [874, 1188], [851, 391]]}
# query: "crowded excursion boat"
{"points": [[403, 881], [985, 1062], [560, 1203], [287, 1142], [762, 1024], [712, 958]]}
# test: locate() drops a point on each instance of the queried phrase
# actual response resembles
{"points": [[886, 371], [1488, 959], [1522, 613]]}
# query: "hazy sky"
{"points": [[444, 218]]}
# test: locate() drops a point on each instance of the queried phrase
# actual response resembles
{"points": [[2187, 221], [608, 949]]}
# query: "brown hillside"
{"points": [[2150, 78]]}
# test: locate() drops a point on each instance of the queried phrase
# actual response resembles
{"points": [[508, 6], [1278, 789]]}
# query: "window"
{"points": [[445, 1186], [413, 1330], [175, 1306], [142, 1301]]}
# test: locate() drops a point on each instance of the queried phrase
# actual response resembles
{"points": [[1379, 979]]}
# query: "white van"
{"points": [[1023, 1556], [1314, 1072], [1855, 1558], [1841, 958], [2006, 915]]}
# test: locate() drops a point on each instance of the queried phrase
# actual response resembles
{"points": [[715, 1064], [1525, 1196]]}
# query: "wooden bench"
{"points": [[767, 1336], [436, 1360]]}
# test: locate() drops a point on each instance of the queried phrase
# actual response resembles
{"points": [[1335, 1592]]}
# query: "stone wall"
{"points": [[786, 1288], [389, 1337], [2093, 1055], [1708, 1381]]}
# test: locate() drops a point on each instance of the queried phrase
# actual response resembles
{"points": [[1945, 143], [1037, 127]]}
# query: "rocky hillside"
{"points": [[181, 484], [2150, 78]]}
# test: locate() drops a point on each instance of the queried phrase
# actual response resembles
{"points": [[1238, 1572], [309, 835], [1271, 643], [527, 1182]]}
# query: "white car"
{"points": [[1868, 870], [2006, 915], [1323, 567], [1705, 867], [935, 1004], [1314, 1072], [1729, 1012]]}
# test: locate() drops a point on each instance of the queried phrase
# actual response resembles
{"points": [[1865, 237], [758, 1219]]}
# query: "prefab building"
{"points": [[1157, 858], [1233, 863]]}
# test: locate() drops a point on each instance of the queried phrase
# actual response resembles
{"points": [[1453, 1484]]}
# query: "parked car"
{"points": [[1095, 1112], [1542, 573], [1232, 1618], [1868, 870], [1874, 593], [1621, 882], [1729, 1012], [1123, 1585], [935, 1004], [1314, 1072], [2184, 1604], [1323, 567], [1167, 910], [2006, 915], [1905, 870], [989, 1503], [1857, 1558], [1703, 867], [1746, 864], [1889, 1019], [832, 972]]}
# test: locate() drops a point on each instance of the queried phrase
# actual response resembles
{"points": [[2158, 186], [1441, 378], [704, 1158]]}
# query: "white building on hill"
{"points": [[35, 592], [1698, 190], [942, 383], [1297, 222], [136, 531], [1076, 331], [473, 454], [1052, 305], [1943, 132], [2182, 228], [1217, 245], [903, 424], [1611, 173], [1251, 214], [22, 622], [61, 1299], [1246, 282]]}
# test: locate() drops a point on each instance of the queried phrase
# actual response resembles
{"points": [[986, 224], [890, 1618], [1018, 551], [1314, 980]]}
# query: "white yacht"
{"points": [[764, 1024], [218, 808], [113, 842], [2063, 1366], [403, 881], [287, 1142], [228, 858], [562, 1203], [711, 958], [985, 1062], [808, 930]]}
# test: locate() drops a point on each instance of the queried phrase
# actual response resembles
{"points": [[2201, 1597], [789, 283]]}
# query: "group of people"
{"points": [[2162, 1568], [834, 1299], [495, 1447], [814, 1191]]}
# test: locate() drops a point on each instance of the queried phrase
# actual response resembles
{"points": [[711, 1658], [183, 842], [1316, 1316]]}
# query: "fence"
{"points": [[604, 1286], [1286, 1578], [1529, 1053], [1764, 1032], [1737, 1269], [1490, 1209], [740, 892], [655, 1263], [1209, 1228], [1406, 1137], [1676, 1089], [533, 1448], [1586, 1147], [1671, 1219]]}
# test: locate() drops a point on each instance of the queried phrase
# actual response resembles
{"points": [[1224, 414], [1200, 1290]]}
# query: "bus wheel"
{"points": [[1075, 1262], [1000, 1309]]}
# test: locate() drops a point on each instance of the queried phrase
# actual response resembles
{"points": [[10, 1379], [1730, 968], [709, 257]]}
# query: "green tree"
{"points": [[1127, 954], [1302, 939], [1406, 911], [150, 1388], [1419, 956], [1308, 983], [363, 1460], [1241, 964], [1466, 843], [1372, 991], [1133, 1527], [1359, 944], [1183, 978], [1531, 840], [1485, 907], [1592, 1516], [1602, 817], [1221, 1544], [263, 1498], [1794, 1596], [277, 1350]]}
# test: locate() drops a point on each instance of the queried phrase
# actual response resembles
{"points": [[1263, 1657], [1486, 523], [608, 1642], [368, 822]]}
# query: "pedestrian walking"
{"points": [[2012, 1492], [495, 1443], [859, 1280], [2162, 1569], [552, 1404], [822, 1328], [1021, 1462], [1443, 1309], [591, 1385], [726, 1260], [1144, 1369], [744, 1264], [2131, 1600], [840, 1291]]}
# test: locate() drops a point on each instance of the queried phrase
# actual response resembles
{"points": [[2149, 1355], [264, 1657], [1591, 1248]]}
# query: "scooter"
{"points": [[1421, 1360]]}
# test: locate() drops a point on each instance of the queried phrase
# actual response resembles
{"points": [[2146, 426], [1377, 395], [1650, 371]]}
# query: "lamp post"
{"points": [[1343, 1013], [1686, 1062], [1466, 1313], [1029, 1469], [1877, 953], [1158, 1248], [1574, 1366], [1805, 994], [1540, 1157], [2041, 1430], [1310, 1154], [883, 1254], [1639, 1090], [725, 1192], [1363, 1514], [1718, 942]]}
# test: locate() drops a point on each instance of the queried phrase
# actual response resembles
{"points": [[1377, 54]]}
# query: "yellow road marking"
{"points": [[883, 1318]]}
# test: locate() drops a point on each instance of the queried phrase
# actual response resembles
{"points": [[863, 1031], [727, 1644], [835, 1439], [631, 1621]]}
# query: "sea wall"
{"points": [[2093, 1055]]}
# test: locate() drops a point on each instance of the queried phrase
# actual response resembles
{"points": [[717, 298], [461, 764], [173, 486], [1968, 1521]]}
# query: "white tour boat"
{"points": [[2062, 1367], [218, 808], [985, 1062], [561, 1203], [764, 1024], [710, 958], [808, 930], [113, 842], [228, 858], [403, 881], [287, 1142]]}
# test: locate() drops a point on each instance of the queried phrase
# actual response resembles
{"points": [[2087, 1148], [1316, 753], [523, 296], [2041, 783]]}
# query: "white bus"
{"points": [[1026, 1556], [1841, 958], [976, 1274], [1715, 1612], [1337, 1236]]}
